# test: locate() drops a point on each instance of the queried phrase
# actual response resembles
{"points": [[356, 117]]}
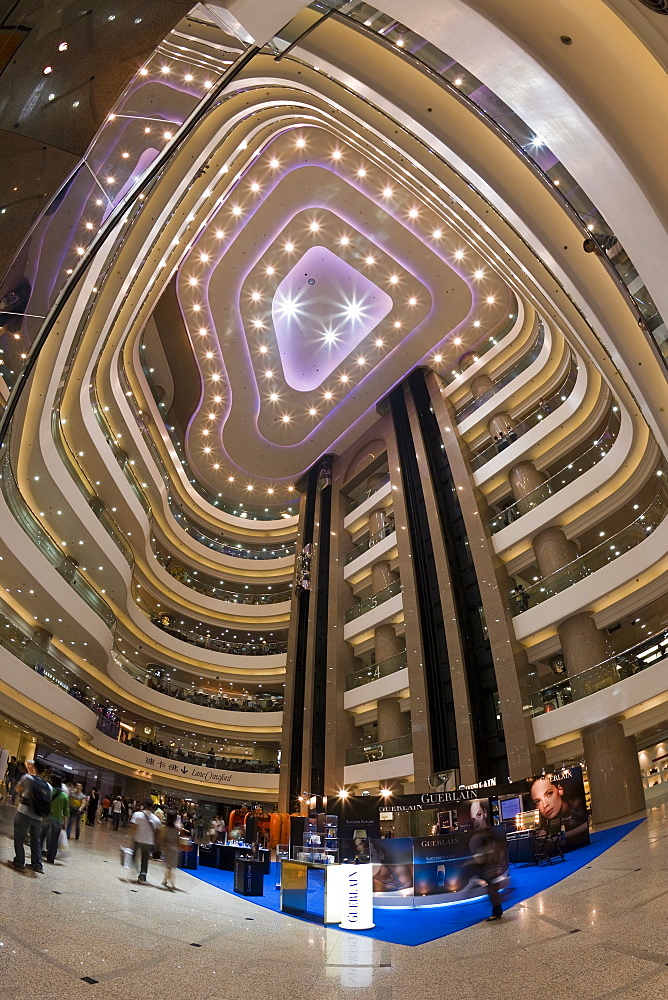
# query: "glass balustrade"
{"points": [[192, 632], [597, 558], [519, 135], [590, 458], [372, 602], [190, 693], [618, 668], [375, 671], [480, 350], [378, 536], [210, 761], [512, 373], [63, 564], [203, 584], [358, 501], [369, 752], [534, 418]]}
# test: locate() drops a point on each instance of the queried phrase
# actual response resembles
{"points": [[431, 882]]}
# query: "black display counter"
{"points": [[249, 877], [229, 853]]}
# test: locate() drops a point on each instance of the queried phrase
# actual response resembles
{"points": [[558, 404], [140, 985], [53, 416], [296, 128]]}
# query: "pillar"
{"points": [[553, 550], [583, 645], [480, 385], [381, 576], [524, 478], [386, 643], [500, 423], [614, 772], [38, 647], [392, 722]]}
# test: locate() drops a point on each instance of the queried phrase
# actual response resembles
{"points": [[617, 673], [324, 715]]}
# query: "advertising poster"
{"points": [[474, 815], [460, 863], [392, 861], [559, 797]]}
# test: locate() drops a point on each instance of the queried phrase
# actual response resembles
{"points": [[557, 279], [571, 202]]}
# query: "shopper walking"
{"points": [[11, 776], [171, 846], [116, 811], [145, 833], [91, 808], [77, 803], [35, 805], [57, 818]]}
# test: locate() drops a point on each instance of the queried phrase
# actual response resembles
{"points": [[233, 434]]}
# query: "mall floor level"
{"points": [[83, 931]]}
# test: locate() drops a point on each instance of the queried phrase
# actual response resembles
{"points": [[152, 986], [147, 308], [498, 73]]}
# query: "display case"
{"points": [[318, 842]]}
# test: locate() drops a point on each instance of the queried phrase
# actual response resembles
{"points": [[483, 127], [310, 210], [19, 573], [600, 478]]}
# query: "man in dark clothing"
{"points": [[28, 821]]}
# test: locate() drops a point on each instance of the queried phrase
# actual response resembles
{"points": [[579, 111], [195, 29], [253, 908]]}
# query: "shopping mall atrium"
{"points": [[334, 470]]}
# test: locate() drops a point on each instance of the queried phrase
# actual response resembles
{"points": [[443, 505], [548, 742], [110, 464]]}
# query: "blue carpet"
{"points": [[417, 926]]}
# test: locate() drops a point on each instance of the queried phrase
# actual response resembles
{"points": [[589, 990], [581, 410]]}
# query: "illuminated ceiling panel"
{"points": [[289, 367]]}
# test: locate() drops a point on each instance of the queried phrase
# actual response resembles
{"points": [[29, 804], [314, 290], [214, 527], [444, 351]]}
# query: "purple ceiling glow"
{"points": [[322, 309]]}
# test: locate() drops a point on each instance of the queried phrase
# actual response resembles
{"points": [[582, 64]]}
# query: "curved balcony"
{"points": [[370, 752], [375, 671], [547, 406], [204, 584], [195, 758], [601, 555], [385, 532], [162, 691], [459, 80], [358, 501], [66, 567], [479, 351], [603, 675], [369, 603], [512, 373], [590, 458]]}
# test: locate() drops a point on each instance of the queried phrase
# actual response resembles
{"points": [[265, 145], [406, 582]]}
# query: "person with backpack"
{"points": [[35, 805], [57, 818]]}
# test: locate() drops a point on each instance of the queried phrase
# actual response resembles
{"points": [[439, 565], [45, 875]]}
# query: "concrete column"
{"points": [[376, 521], [553, 550], [38, 647], [614, 772], [386, 642], [523, 478], [480, 385], [392, 722], [500, 423], [582, 644], [382, 576]]}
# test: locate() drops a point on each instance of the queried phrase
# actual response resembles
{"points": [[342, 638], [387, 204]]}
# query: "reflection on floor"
{"points": [[415, 927], [601, 933]]}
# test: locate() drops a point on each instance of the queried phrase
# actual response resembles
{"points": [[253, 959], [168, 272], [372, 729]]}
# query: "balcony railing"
{"points": [[479, 351], [358, 501], [385, 532], [534, 418], [499, 116], [632, 661], [601, 555], [203, 584], [590, 458], [210, 761], [506, 379], [369, 603], [377, 670], [183, 692], [369, 752]]}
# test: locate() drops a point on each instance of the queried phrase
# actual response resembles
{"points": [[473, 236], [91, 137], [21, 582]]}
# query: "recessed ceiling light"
{"points": [[394, 280], [312, 412], [387, 192], [490, 300], [479, 273], [361, 361], [459, 254], [273, 163], [328, 394], [314, 226], [437, 234], [361, 172], [300, 143], [412, 301], [397, 324], [413, 213], [457, 341], [204, 257], [285, 418], [344, 378], [289, 247], [438, 358], [220, 235], [270, 270], [476, 322], [369, 260], [236, 210], [189, 78], [274, 397], [255, 187], [344, 241], [336, 154], [378, 342], [193, 280]]}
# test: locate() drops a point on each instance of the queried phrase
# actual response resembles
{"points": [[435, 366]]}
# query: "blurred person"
{"points": [[145, 833], [35, 805], [77, 803], [106, 806], [57, 818], [11, 777], [116, 811], [489, 866], [171, 846], [92, 807]]}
